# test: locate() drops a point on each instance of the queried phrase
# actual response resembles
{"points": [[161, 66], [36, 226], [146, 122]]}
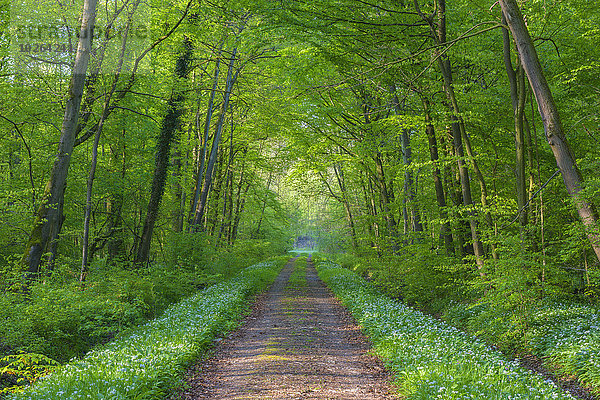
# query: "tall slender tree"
{"points": [[49, 218], [168, 131], [208, 174], [565, 159]]}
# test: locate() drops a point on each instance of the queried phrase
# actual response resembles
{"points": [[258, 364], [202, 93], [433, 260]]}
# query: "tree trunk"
{"points": [[452, 178], [412, 223], [88, 207], [179, 202], [517, 95], [445, 230], [256, 233], [557, 140], [169, 127], [239, 209], [49, 218], [463, 172], [85, 253], [385, 199], [467, 199], [212, 214], [116, 246], [457, 133], [409, 183], [482, 184], [234, 211], [371, 209], [207, 121], [200, 208], [339, 174], [228, 192]]}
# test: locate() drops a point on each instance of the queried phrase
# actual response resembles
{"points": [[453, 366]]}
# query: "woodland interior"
{"points": [[447, 152]]}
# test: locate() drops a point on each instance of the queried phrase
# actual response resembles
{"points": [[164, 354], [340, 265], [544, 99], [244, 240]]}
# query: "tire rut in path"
{"points": [[298, 343]]}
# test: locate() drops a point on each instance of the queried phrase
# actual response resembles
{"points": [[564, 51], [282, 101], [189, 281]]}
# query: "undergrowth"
{"points": [[147, 362], [59, 318], [431, 359], [566, 335], [507, 309]]}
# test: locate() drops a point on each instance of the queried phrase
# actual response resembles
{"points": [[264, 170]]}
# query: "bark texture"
{"points": [[46, 228], [555, 135], [168, 130]]}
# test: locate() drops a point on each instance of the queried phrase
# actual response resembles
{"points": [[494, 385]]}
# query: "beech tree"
{"points": [[396, 131], [553, 129], [46, 228]]}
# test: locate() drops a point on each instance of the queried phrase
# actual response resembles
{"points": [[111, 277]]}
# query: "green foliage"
{"points": [[567, 335], [500, 325], [152, 290], [459, 314], [196, 254], [314, 134], [148, 361], [515, 287], [416, 274], [510, 287], [193, 252], [63, 322], [62, 318], [24, 369]]}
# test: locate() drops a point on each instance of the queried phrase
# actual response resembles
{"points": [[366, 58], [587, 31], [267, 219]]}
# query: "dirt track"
{"points": [[298, 343]]}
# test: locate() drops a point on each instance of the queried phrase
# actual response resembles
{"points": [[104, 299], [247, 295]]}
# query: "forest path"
{"points": [[298, 343]]}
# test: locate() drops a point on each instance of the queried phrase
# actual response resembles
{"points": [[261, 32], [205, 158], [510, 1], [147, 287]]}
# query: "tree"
{"points": [[46, 228], [169, 127], [557, 140], [208, 174]]}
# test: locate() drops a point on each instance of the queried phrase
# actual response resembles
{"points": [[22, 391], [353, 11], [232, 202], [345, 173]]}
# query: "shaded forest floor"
{"points": [[567, 383], [298, 343]]}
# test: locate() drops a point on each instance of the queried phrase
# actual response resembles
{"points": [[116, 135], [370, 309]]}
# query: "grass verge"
{"points": [[298, 277], [431, 359], [147, 362], [565, 335]]}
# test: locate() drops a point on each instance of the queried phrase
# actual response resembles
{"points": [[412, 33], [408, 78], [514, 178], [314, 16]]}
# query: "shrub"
{"points": [[24, 368], [415, 274], [62, 322]]}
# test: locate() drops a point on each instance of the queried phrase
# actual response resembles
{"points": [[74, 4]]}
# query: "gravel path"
{"points": [[298, 343]]}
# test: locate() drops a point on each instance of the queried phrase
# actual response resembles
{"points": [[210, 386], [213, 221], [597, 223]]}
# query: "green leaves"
{"points": [[147, 362], [25, 369], [431, 359]]}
